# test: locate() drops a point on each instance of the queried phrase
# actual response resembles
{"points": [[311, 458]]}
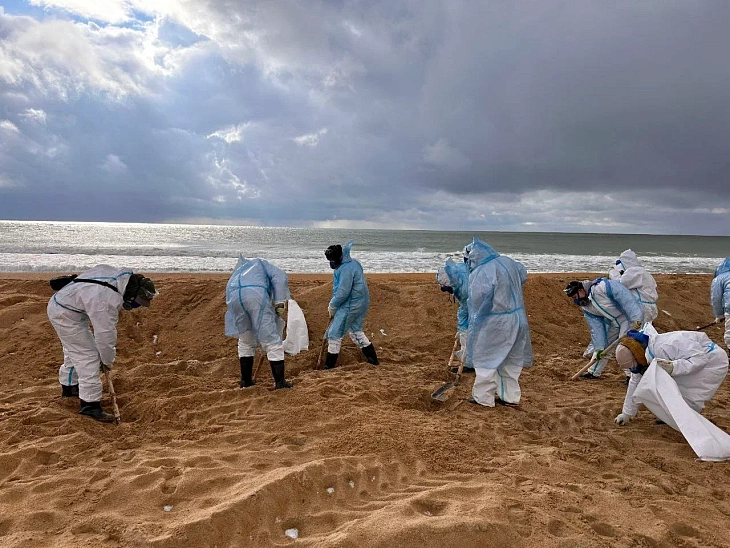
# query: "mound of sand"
{"points": [[357, 456]]}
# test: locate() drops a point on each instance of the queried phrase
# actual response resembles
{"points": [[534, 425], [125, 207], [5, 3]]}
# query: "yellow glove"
{"points": [[280, 309], [636, 325]]}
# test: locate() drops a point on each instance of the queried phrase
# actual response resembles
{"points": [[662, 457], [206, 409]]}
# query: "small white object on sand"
{"points": [[382, 332], [330, 490], [292, 533], [167, 508]]}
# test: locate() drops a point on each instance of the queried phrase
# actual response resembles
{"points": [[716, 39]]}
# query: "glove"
{"points": [[667, 365], [622, 419], [280, 310], [720, 320], [105, 368], [636, 325], [597, 355], [331, 310]]}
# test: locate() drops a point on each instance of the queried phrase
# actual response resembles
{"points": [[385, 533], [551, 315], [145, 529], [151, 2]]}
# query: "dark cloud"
{"points": [[531, 115]]}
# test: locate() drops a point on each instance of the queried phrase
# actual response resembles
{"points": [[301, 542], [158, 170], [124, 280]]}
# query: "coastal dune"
{"points": [[356, 456]]}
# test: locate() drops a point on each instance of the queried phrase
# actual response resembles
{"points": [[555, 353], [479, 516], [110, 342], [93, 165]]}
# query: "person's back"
{"points": [[256, 294], [93, 299], [499, 335], [698, 364]]}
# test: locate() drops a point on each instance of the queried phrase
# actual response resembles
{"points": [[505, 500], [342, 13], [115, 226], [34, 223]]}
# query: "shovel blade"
{"points": [[442, 392]]}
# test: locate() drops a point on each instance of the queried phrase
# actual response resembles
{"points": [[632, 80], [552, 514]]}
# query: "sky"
{"points": [[511, 115]]}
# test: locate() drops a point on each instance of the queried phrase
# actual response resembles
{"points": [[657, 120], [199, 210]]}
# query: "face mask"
{"points": [[584, 301], [333, 265]]}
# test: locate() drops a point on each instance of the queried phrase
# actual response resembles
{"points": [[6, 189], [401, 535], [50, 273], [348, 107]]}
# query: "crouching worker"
{"points": [[256, 296], [695, 363], [93, 299], [610, 310], [348, 306]]}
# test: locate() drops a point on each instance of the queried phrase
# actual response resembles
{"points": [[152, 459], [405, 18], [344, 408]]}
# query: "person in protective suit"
{"points": [[694, 362], [93, 301], [720, 297], [610, 310], [498, 338], [348, 306], [453, 278], [635, 278], [256, 296]]}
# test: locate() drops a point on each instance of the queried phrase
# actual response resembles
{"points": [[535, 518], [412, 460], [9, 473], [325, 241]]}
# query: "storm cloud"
{"points": [[536, 115]]}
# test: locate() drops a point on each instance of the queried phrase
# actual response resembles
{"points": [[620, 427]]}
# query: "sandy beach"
{"points": [[358, 456]]}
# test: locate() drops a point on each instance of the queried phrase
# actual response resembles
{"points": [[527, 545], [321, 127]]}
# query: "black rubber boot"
{"points": [[246, 372], [71, 391], [331, 361], [370, 355], [277, 370], [93, 409]]}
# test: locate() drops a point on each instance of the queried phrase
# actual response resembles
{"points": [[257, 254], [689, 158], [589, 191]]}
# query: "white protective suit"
{"points": [[498, 339], [698, 368], [632, 275], [73, 311], [250, 293], [609, 314], [720, 296]]}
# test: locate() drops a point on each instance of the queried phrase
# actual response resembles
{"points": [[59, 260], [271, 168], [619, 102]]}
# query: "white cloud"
{"points": [[10, 127], [231, 134], [34, 115], [107, 11], [114, 165], [310, 139]]}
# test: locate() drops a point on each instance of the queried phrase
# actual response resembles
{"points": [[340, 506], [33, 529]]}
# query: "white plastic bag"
{"points": [[658, 391], [297, 336]]}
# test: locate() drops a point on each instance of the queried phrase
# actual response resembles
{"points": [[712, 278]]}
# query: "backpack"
{"points": [[62, 281]]}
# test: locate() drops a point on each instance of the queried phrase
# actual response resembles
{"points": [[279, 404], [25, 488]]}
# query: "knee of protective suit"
{"points": [[245, 350], [334, 345], [275, 352]]}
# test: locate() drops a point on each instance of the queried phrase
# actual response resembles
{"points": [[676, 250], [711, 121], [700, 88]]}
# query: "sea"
{"points": [[49, 246]]}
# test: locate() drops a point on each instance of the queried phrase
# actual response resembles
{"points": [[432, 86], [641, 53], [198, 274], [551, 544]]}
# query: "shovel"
{"points": [[258, 364], [610, 348], [117, 416], [441, 393], [703, 327]]}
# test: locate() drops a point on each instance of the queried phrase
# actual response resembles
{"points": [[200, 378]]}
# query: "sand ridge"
{"points": [[357, 456]]}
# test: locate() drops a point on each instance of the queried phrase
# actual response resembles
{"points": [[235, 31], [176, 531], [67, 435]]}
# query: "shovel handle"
{"points": [[587, 366], [321, 353], [115, 408], [258, 365]]}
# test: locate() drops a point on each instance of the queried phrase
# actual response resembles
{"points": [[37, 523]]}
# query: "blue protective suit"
{"points": [[612, 309], [250, 293], [458, 275], [720, 290], [498, 329], [350, 297]]}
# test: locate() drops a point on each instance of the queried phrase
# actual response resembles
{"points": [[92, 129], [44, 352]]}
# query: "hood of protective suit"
{"points": [[480, 253], [346, 252], [628, 259], [723, 267]]}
